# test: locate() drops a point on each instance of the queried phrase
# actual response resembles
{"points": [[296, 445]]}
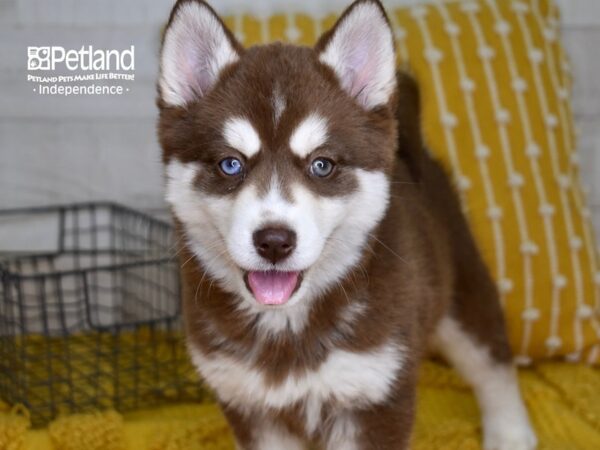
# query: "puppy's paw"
{"points": [[510, 436]]}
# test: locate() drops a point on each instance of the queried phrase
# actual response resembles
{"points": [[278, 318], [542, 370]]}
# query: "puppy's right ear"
{"points": [[196, 48]]}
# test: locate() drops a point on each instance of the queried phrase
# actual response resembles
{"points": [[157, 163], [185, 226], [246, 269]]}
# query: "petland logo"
{"points": [[84, 59], [54, 70]]}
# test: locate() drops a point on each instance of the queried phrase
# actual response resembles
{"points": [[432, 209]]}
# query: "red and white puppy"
{"points": [[325, 250]]}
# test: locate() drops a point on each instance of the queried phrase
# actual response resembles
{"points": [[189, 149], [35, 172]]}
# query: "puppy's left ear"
{"points": [[360, 50]]}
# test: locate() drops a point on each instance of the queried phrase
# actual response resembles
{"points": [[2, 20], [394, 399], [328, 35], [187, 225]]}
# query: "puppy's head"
{"points": [[277, 157]]}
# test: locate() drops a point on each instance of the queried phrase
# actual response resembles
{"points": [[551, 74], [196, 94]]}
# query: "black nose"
{"points": [[274, 244]]}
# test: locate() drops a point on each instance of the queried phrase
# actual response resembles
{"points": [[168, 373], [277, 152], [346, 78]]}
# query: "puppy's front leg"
{"points": [[270, 436], [253, 432], [387, 426], [506, 424]]}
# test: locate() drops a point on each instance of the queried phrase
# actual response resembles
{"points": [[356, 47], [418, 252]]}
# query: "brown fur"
{"points": [[421, 264]]}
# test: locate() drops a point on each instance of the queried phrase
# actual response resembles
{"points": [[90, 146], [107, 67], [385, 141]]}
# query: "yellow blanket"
{"points": [[564, 401]]}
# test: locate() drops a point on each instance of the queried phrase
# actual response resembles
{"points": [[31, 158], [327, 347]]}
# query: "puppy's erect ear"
{"points": [[196, 48], [360, 50]]}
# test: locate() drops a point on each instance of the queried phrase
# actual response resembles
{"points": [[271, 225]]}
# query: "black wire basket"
{"points": [[89, 311]]}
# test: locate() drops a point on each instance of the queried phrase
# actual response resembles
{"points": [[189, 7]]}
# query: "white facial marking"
{"points": [[279, 104], [203, 216], [195, 51], [349, 230], [179, 177], [309, 135], [347, 378], [331, 235], [506, 424], [253, 211], [271, 437], [292, 318], [361, 53], [241, 135]]}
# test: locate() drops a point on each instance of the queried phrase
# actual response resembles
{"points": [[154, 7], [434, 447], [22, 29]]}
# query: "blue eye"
{"points": [[321, 167], [231, 166]]}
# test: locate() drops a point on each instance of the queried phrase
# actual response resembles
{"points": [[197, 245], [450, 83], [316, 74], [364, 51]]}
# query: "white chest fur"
{"points": [[346, 378]]}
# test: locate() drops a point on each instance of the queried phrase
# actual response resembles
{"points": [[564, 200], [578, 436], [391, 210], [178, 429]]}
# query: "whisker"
{"points": [[210, 287], [210, 247], [344, 290], [389, 249], [188, 260], [175, 245], [396, 196], [196, 294]]}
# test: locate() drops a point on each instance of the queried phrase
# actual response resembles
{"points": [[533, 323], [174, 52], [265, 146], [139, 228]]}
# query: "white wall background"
{"points": [[56, 149], [581, 35]]}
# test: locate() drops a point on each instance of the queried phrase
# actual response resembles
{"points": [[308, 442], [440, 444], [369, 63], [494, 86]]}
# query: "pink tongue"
{"points": [[272, 287]]}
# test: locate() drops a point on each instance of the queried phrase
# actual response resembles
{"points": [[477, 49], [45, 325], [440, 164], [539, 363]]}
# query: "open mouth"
{"points": [[272, 287]]}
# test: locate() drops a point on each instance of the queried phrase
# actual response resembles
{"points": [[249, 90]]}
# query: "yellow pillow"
{"points": [[496, 109]]}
